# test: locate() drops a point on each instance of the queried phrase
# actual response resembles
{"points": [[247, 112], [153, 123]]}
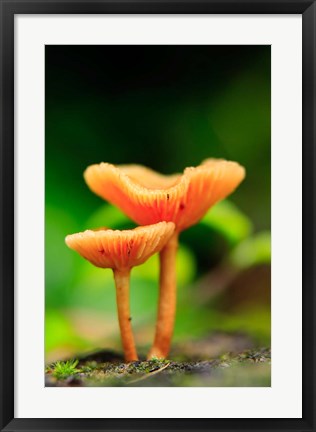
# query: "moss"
{"points": [[247, 368]]}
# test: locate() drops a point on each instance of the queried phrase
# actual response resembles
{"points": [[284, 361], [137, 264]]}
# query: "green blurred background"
{"points": [[166, 107]]}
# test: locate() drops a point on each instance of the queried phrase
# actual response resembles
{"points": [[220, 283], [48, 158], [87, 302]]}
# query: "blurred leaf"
{"points": [[196, 322], [94, 278], [226, 218], [143, 299], [192, 322], [59, 260], [59, 331], [186, 267], [94, 289], [108, 216], [256, 322], [253, 250]]}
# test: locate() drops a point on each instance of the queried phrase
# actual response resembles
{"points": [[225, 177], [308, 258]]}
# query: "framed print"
{"points": [[157, 197]]}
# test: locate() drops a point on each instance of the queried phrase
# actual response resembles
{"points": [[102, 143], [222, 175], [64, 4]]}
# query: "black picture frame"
{"points": [[8, 10]]}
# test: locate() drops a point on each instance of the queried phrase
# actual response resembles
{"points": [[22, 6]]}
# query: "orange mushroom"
{"points": [[120, 251], [149, 197]]}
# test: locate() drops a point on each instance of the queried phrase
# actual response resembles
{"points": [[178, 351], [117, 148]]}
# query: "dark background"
{"points": [[166, 107]]}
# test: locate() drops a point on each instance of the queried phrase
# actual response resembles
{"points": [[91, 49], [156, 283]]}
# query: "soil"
{"points": [[220, 360]]}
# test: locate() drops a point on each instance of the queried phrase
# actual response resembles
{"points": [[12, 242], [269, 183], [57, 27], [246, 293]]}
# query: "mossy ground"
{"points": [[246, 368]]}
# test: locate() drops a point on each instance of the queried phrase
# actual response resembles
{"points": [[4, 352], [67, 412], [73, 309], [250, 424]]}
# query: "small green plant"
{"points": [[158, 361], [62, 370], [155, 359]]}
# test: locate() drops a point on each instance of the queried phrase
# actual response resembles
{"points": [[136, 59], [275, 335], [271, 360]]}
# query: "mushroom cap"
{"points": [[121, 250], [148, 197]]}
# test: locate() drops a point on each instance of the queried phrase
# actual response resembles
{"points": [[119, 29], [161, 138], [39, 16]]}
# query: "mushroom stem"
{"points": [[122, 297], [167, 299]]}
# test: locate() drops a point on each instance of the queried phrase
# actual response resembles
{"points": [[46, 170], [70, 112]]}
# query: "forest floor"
{"points": [[220, 360]]}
